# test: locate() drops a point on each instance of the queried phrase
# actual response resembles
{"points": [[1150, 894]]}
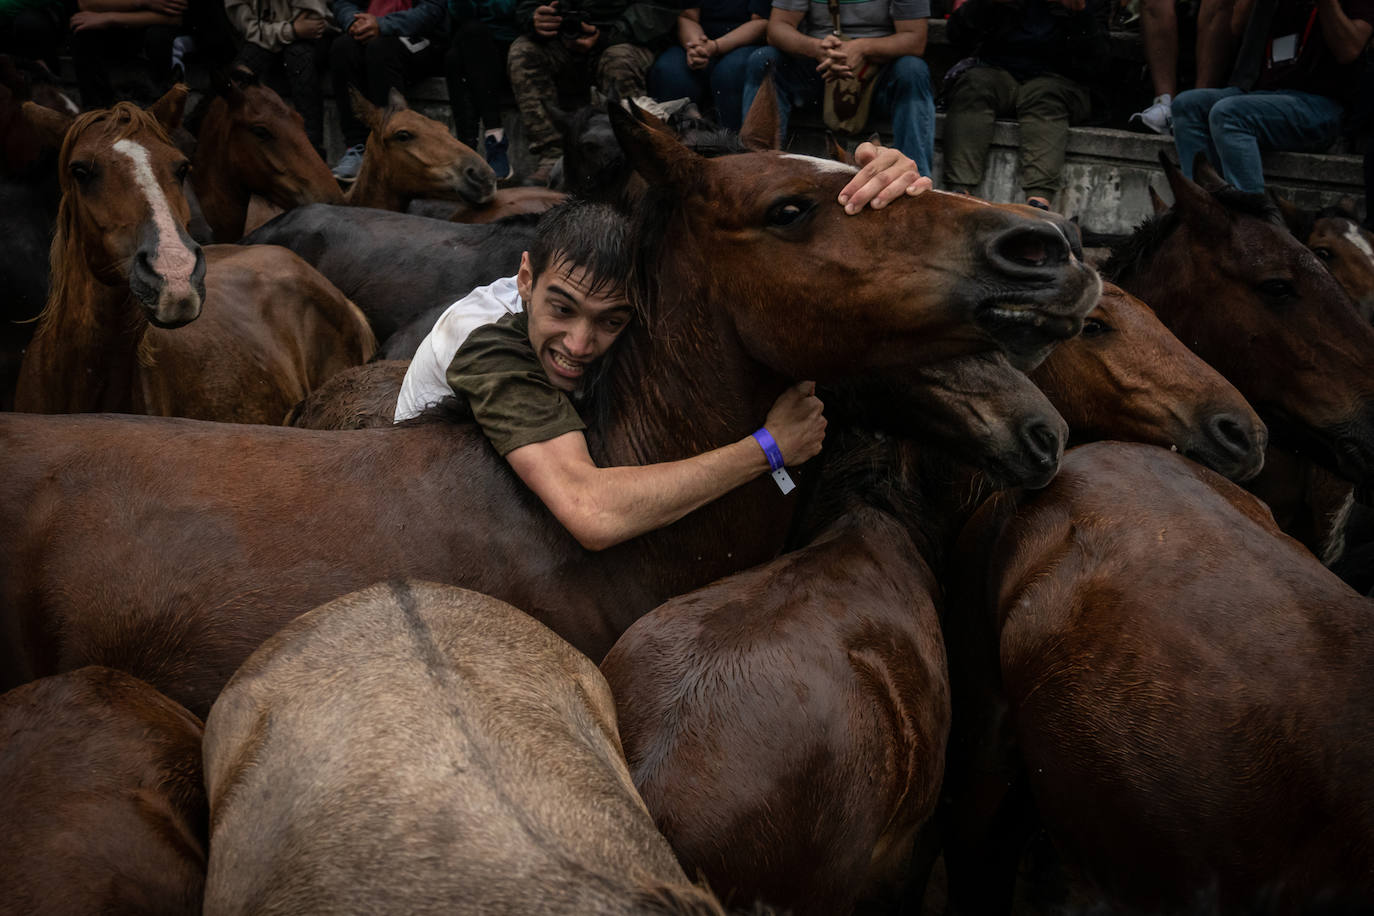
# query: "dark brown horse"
{"points": [[127, 277], [103, 806], [251, 142], [461, 759], [747, 706], [261, 524], [1231, 282], [1185, 688]]}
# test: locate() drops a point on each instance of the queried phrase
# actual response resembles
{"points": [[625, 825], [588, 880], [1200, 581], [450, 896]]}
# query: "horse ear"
{"points": [[369, 114], [762, 127], [1157, 204], [1190, 198], [1205, 175], [395, 100], [169, 109], [656, 154], [1347, 207], [837, 150], [51, 126], [1291, 213], [228, 85]]}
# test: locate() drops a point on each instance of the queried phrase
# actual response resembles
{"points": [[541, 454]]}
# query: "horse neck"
{"points": [[223, 202], [372, 188]]}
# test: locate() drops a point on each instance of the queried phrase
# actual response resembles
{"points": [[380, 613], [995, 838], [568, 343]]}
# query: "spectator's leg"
{"points": [[301, 59], [346, 69], [1243, 125], [978, 96], [1046, 106], [1215, 42], [906, 95], [35, 33], [92, 51], [215, 39], [795, 81], [671, 78], [384, 66], [727, 85], [623, 68], [1192, 132], [419, 65], [1159, 39], [534, 67], [157, 45], [475, 71]]}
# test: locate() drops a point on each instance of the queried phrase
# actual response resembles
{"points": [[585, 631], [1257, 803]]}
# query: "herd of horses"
{"points": [[267, 652]]}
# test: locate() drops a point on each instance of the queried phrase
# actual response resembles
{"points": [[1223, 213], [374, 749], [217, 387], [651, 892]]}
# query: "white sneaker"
{"points": [[1159, 117]]}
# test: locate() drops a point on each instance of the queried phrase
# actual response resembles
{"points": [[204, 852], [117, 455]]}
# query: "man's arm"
{"points": [[602, 507], [1345, 37], [785, 34]]}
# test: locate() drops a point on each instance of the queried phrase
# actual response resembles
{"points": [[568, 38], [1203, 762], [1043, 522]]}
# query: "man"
{"points": [[606, 43], [805, 56], [551, 330], [1307, 53]]}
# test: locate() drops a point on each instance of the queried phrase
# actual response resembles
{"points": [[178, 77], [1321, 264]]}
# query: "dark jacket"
{"points": [[1033, 37], [645, 23], [424, 19], [498, 15]]}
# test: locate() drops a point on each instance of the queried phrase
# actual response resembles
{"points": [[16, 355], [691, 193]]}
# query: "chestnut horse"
{"points": [[1223, 274], [1185, 688], [251, 142], [125, 275], [104, 806], [462, 759], [746, 707], [254, 526], [1347, 248]]}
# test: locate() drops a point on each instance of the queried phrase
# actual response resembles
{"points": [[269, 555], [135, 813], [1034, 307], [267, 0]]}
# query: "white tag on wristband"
{"points": [[784, 481]]}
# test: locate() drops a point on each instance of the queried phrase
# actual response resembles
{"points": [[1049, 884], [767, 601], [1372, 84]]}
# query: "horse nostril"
{"points": [[1031, 246], [1231, 435], [144, 264], [1043, 441]]}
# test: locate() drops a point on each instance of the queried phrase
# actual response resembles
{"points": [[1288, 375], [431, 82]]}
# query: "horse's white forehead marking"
{"points": [[173, 260], [825, 165], [1355, 237]]}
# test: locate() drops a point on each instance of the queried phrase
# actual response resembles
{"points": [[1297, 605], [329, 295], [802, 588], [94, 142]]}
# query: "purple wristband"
{"points": [[770, 447]]}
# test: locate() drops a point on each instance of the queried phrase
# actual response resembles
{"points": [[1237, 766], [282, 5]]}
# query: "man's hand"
{"points": [[699, 53], [165, 7], [797, 423], [587, 42], [307, 26], [364, 27], [843, 59], [84, 21], [547, 19], [885, 174]]}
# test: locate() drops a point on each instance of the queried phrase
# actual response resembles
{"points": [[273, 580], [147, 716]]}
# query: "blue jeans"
{"points": [[1231, 126], [904, 95], [671, 78]]}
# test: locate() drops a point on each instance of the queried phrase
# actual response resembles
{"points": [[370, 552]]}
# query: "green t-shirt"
{"points": [[497, 373]]}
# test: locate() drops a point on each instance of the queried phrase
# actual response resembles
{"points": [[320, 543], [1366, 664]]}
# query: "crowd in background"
{"points": [[1266, 74]]}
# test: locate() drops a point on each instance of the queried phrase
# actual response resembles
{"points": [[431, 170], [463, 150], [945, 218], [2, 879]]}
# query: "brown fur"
{"points": [[510, 202], [360, 397], [103, 806], [462, 759]]}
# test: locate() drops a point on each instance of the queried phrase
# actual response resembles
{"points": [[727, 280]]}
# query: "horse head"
{"points": [[411, 156], [1226, 276], [254, 143], [1126, 377], [124, 212], [593, 163]]}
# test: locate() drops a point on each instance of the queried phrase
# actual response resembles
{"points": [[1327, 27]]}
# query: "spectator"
{"points": [[32, 28], [579, 43], [289, 35], [1159, 36], [1033, 60], [384, 46], [475, 69], [104, 31], [1307, 55], [715, 41], [805, 56]]}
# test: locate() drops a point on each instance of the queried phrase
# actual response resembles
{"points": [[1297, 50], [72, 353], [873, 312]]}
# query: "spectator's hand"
{"points": [[587, 42], [885, 174], [797, 423], [85, 21], [165, 7], [700, 53], [844, 59], [824, 46], [308, 26], [364, 27], [547, 19]]}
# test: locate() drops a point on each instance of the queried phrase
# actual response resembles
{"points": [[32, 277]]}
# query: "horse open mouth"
{"points": [[1026, 332]]}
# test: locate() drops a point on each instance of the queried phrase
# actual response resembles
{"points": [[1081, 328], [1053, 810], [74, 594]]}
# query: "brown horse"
{"points": [[1224, 275], [253, 143], [1335, 235], [1185, 688], [104, 807], [510, 202], [125, 275], [462, 759], [264, 524], [410, 156], [747, 706]]}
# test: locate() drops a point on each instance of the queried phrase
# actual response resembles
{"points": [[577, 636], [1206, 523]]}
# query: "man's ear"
{"points": [[524, 279]]}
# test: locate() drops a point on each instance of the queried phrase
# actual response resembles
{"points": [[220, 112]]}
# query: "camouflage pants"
{"points": [[538, 67]]}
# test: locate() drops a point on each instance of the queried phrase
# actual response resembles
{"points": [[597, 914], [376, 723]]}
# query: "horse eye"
{"points": [[1093, 327], [1278, 289], [788, 212], [403, 135], [1323, 253], [81, 171], [183, 170], [262, 133]]}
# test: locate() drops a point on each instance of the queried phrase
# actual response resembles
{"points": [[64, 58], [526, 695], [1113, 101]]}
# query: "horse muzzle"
{"points": [[1230, 443], [476, 183], [168, 302]]}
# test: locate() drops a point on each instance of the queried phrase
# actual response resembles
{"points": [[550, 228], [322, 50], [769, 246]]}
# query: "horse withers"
{"points": [[463, 759]]}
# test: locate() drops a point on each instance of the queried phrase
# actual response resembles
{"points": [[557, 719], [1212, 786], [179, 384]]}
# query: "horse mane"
{"points": [[658, 899], [1144, 242]]}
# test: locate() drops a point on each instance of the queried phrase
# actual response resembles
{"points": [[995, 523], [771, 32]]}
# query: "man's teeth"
{"points": [[565, 363]]}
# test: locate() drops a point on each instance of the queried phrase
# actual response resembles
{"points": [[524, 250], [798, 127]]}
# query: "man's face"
{"points": [[570, 329]]}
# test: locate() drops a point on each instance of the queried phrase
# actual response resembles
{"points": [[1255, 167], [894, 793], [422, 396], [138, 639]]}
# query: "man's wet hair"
{"points": [[585, 234]]}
